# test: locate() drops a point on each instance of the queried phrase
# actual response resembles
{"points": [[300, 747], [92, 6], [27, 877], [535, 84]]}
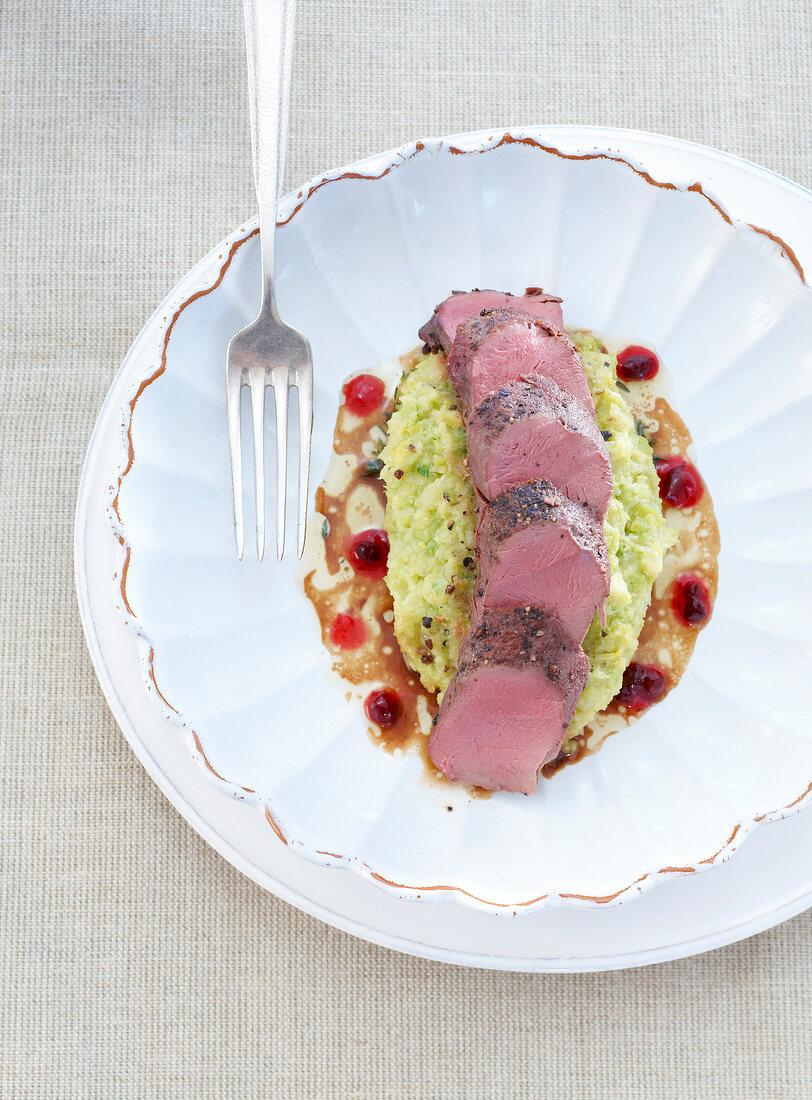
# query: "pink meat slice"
{"points": [[438, 333], [503, 345], [531, 429], [506, 711], [538, 548]]}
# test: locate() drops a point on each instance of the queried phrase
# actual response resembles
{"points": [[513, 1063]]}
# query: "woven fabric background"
{"points": [[134, 962]]}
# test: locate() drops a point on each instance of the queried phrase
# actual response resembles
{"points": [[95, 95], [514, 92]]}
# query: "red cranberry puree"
{"points": [[383, 707], [347, 632], [636, 364], [364, 394], [368, 553], [642, 686], [680, 484], [690, 600]]}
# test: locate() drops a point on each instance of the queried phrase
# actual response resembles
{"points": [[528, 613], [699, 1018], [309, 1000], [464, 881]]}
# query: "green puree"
{"points": [[430, 519]]}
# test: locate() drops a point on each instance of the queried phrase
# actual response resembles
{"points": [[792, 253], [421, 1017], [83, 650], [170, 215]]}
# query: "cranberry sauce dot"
{"points": [[368, 553], [642, 686], [690, 600], [363, 394], [636, 364], [383, 707], [347, 632], [680, 484]]}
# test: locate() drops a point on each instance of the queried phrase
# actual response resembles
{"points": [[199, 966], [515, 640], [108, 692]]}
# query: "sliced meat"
{"points": [[530, 430], [503, 345], [507, 709], [538, 548], [439, 332]]}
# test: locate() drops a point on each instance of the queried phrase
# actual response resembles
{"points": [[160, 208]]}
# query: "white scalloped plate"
{"points": [[232, 651]]}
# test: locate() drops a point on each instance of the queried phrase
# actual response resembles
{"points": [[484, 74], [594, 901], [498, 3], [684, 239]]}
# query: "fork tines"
{"points": [[248, 366]]}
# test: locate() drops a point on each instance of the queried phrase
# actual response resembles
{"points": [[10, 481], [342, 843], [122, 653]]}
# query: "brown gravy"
{"points": [[348, 501]]}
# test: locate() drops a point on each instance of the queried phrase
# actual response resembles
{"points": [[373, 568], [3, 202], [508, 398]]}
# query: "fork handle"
{"points": [[269, 45]]}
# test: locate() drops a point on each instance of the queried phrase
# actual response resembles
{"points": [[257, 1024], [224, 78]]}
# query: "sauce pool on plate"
{"points": [[347, 555]]}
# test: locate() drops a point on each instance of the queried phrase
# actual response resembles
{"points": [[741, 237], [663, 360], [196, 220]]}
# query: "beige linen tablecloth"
{"points": [[135, 962]]}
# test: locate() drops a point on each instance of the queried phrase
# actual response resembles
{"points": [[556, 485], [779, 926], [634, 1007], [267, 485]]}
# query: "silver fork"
{"points": [[268, 352]]}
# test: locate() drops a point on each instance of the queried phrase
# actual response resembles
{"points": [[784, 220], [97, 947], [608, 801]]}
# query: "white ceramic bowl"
{"points": [[232, 651]]}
